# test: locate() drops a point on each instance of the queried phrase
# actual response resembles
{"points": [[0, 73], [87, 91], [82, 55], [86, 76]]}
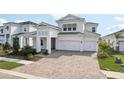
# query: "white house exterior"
{"points": [[72, 33], [115, 42]]}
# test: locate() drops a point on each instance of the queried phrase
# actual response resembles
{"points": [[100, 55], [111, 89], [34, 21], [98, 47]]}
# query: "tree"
{"points": [[16, 44], [103, 49]]}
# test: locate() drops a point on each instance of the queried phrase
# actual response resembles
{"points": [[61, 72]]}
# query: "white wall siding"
{"points": [[89, 27], [80, 25]]}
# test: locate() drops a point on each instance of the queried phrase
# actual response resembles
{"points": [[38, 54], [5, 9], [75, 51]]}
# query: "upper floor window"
{"points": [[25, 29], [7, 28], [93, 29], [65, 27], [74, 27], [69, 27], [1, 30]]}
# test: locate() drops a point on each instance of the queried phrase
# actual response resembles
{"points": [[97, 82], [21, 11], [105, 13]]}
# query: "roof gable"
{"points": [[70, 17]]}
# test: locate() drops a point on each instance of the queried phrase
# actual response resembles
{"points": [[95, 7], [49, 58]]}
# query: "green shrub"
{"points": [[122, 65], [102, 54], [30, 56], [34, 52], [103, 49], [6, 46], [27, 50], [46, 52], [16, 45], [111, 51]]}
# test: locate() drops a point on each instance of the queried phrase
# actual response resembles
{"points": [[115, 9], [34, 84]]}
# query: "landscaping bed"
{"points": [[109, 63], [26, 53], [9, 65]]}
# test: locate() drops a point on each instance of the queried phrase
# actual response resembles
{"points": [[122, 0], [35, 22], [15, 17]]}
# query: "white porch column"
{"points": [[49, 44], [30, 41], [34, 43], [21, 40], [5, 39], [38, 46], [81, 46]]}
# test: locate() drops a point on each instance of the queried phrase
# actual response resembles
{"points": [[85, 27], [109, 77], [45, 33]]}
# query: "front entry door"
{"points": [[53, 43]]}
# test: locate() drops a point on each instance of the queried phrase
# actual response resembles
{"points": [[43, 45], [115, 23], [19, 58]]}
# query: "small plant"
{"points": [[122, 65], [30, 56], [46, 52], [6, 46], [27, 50]]}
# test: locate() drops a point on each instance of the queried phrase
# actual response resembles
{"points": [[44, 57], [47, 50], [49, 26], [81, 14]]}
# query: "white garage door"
{"points": [[68, 45], [121, 46], [90, 46]]}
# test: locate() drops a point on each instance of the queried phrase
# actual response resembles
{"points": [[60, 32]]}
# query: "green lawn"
{"points": [[109, 64], [9, 65]]}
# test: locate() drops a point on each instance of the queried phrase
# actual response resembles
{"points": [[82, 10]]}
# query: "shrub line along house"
{"points": [[72, 33]]}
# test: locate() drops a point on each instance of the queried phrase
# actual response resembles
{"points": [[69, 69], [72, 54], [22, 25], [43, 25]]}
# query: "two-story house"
{"points": [[72, 33]]}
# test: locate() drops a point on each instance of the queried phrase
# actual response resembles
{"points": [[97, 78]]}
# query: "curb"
{"points": [[23, 75]]}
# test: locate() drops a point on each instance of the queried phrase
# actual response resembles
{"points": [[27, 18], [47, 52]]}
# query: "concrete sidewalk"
{"points": [[16, 60], [18, 74], [112, 74]]}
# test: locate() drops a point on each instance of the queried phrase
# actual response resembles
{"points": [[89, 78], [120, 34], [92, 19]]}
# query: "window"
{"points": [[93, 29], [25, 29], [64, 27], [1, 30], [74, 27], [7, 28], [41, 42], [69, 27]]}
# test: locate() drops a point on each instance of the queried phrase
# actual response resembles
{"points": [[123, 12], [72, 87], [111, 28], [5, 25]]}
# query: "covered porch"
{"points": [[38, 42]]}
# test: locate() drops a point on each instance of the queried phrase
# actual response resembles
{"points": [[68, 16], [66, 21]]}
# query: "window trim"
{"points": [[25, 29], [69, 27], [93, 29]]}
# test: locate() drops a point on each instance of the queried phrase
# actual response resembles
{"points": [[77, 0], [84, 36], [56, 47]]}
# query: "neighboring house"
{"points": [[72, 33], [116, 40]]}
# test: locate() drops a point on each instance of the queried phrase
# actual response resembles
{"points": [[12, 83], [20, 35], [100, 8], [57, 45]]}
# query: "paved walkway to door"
{"points": [[16, 60], [65, 65]]}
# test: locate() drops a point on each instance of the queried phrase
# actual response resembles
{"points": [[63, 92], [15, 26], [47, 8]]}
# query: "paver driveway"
{"points": [[65, 65]]}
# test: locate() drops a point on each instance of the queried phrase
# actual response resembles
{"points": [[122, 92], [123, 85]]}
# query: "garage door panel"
{"points": [[90, 46], [69, 45], [121, 46], [76, 45]]}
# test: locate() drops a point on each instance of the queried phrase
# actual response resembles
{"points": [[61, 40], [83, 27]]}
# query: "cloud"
{"points": [[57, 16], [117, 18], [115, 28], [18, 21], [2, 21], [118, 26]]}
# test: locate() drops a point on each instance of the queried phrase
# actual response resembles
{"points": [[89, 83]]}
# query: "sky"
{"points": [[108, 23]]}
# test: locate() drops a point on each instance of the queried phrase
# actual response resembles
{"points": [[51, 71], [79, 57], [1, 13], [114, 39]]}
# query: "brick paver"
{"points": [[65, 65]]}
